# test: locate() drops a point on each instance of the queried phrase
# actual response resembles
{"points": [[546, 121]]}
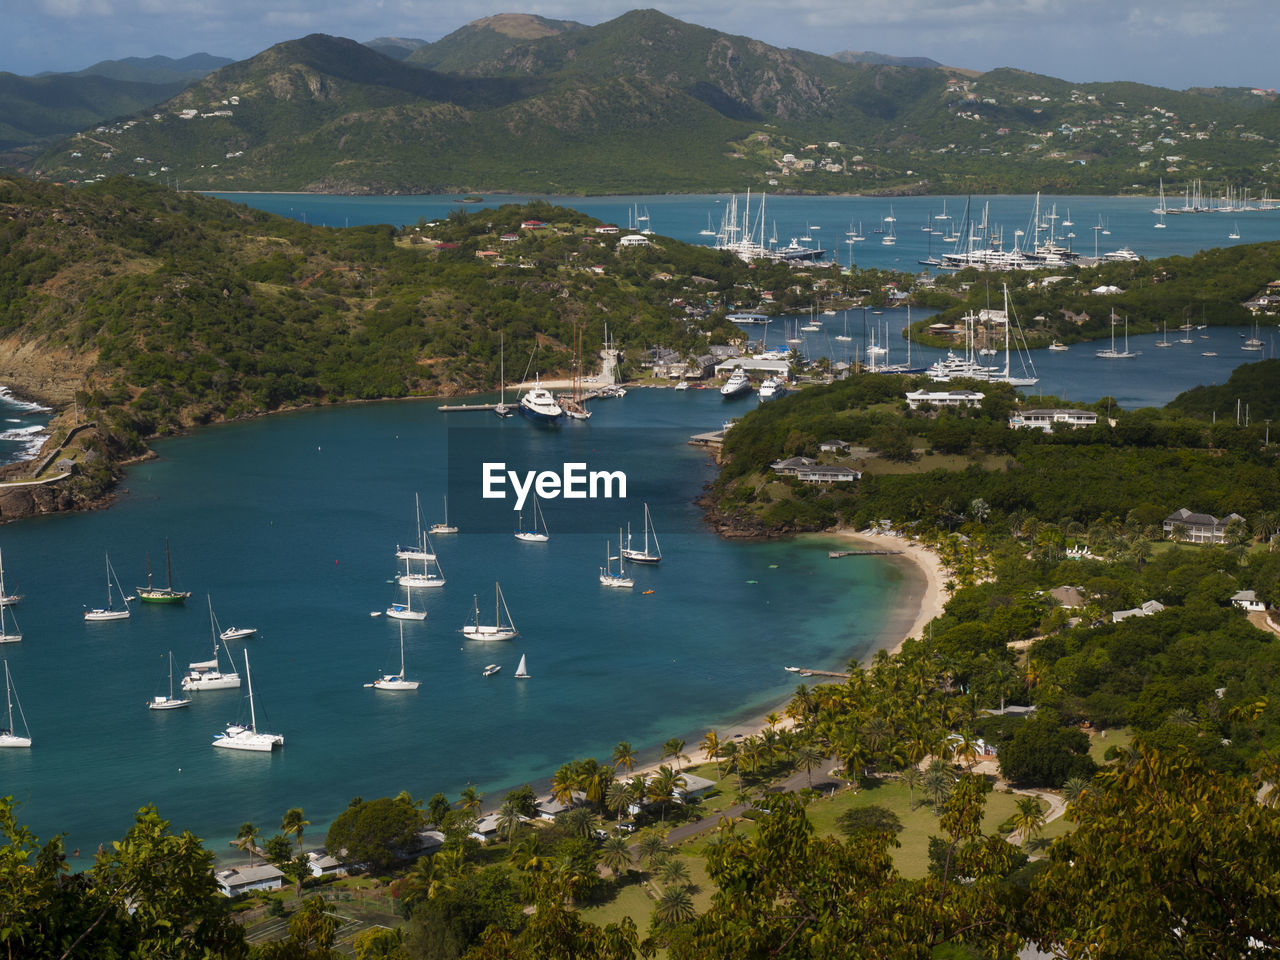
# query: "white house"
{"points": [[1248, 600], [322, 864], [944, 398], [821, 474], [1146, 610], [634, 240], [238, 880], [1045, 419], [1199, 527]]}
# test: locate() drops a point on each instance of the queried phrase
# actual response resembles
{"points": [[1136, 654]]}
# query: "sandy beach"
{"points": [[922, 599]]}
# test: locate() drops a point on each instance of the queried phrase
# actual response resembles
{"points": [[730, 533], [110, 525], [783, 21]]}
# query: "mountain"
{"points": [[648, 103], [397, 48], [157, 69], [868, 56]]}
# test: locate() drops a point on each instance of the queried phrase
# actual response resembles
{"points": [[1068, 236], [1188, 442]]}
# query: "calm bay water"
{"points": [[291, 523]]}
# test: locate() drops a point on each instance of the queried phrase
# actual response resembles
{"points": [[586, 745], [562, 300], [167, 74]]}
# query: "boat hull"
{"points": [[639, 556], [222, 681], [488, 633], [162, 596], [237, 633], [394, 684], [532, 537], [613, 580], [12, 740], [248, 740], [401, 613], [418, 580], [167, 703], [96, 616]]}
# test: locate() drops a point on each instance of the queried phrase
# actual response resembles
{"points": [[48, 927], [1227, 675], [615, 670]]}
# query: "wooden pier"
{"points": [[466, 407], [713, 439], [837, 554], [806, 672]]}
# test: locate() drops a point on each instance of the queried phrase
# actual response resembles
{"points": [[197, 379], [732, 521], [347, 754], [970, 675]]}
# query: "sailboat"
{"points": [[522, 669], [1112, 353], [207, 674], [643, 555], [405, 611], [1254, 343], [1164, 340], [890, 238], [538, 533], [607, 577], [237, 737], [502, 409], [395, 681], [7, 599], [419, 550], [708, 232], [165, 594], [160, 702], [5, 635], [108, 612], [443, 527], [1235, 232], [9, 735], [1160, 210], [844, 337], [499, 630], [431, 576]]}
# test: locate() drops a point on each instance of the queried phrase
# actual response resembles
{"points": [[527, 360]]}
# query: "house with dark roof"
{"points": [[1198, 527], [792, 465], [238, 880]]}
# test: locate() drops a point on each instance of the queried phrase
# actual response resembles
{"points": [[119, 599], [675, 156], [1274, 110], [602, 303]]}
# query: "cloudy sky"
{"points": [[1172, 43]]}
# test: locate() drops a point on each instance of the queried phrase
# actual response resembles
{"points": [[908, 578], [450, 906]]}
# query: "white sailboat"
{"points": [[499, 630], [1235, 232], [522, 669], [405, 611], [439, 528], [431, 575], [419, 550], [502, 409], [1164, 340], [610, 579], [161, 702], [643, 555], [9, 735], [395, 681], [237, 737], [6, 599], [1112, 353], [538, 533], [844, 337], [207, 674], [5, 635]]}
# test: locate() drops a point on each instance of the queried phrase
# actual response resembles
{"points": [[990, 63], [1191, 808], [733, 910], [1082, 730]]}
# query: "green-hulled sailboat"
{"points": [[165, 594]]}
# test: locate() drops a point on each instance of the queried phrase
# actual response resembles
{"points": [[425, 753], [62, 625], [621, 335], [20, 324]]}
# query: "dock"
{"points": [[466, 407], [712, 439], [837, 554]]}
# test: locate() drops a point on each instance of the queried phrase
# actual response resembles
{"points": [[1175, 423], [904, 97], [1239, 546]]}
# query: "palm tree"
{"points": [[711, 749], [293, 822], [247, 839], [650, 845], [615, 853], [732, 756], [674, 872], [469, 798], [1029, 820], [624, 756], [913, 777], [564, 783], [674, 748], [663, 786], [509, 820], [526, 854], [581, 821], [618, 798], [675, 905], [1073, 789], [809, 755], [937, 785]]}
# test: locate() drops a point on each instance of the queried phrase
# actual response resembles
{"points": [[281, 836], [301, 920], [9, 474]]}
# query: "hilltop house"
{"points": [[1045, 419], [1146, 610], [238, 880], [1198, 527], [944, 398], [1248, 600]]}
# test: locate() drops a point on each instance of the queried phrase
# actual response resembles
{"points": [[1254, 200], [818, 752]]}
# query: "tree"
{"points": [[247, 839], [651, 845], [1186, 858], [508, 820], [624, 756], [675, 905], [438, 810], [293, 823], [618, 798], [937, 784], [312, 932], [1042, 753], [380, 943], [374, 833], [711, 748], [663, 786], [1029, 820], [872, 818], [674, 748], [809, 755], [912, 776], [615, 853], [469, 800]]}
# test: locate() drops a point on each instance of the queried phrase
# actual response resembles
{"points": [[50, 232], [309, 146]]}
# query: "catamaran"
{"points": [[499, 630], [395, 681], [161, 702], [165, 594], [237, 737], [643, 555], [538, 533], [9, 735], [207, 674], [108, 612]]}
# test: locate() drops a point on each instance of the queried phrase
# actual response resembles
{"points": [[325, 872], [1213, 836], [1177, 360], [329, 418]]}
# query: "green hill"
{"points": [[646, 102]]}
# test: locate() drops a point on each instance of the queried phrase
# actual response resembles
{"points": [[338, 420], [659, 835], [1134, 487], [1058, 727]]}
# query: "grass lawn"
{"points": [[1100, 742]]}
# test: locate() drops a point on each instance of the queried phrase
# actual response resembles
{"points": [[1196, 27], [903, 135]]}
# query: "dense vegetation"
{"points": [[646, 103]]}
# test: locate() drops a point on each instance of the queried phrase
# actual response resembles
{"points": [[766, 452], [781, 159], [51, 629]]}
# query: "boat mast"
{"points": [[168, 567], [253, 717]]}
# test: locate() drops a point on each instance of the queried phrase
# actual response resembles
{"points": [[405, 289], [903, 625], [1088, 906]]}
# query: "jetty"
{"points": [[713, 439], [837, 554], [465, 407], [807, 672]]}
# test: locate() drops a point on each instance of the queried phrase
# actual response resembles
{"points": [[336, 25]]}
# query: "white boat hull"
{"points": [[212, 681], [437, 528], [167, 703], [639, 556], [10, 637], [419, 580], [488, 633], [244, 739], [410, 554], [532, 537], [398, 612], [613, 580], [97, 616], [12, 740], [237, 633], [395, 683], [9, 601]]}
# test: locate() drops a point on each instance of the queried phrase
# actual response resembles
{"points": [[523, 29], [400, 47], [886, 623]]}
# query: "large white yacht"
{"points": [[237, 737], [737, 384], [771, 388], [539, 404]]}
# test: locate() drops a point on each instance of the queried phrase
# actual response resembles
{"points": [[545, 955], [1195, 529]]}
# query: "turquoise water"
{"points": [[290, 523], [1129, 220]]}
